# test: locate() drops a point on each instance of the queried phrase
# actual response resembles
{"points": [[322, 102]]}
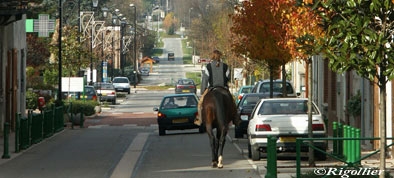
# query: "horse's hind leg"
{"points": [[221, 133], [214, 145]]}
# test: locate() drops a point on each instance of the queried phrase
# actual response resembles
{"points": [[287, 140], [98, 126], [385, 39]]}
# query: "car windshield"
{"points": [[265, 87], [285, 107], [120, 80], [178, 102]]}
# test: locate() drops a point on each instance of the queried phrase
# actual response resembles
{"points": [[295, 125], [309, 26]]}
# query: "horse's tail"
{"points": [[220, 103]]}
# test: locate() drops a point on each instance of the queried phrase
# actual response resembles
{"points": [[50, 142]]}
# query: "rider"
{"points": [[215, 74]]}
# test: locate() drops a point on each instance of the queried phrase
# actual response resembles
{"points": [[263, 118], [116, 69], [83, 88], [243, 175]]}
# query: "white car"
{"points": [[286, 119], [121, 84]]}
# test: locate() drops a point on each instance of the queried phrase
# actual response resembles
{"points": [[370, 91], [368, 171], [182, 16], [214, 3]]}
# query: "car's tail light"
{"points": [[160, 115], [196, 114], [263, 127], [94, 97], [113, 92], [318, 127], [179, 86], [240, 97]]}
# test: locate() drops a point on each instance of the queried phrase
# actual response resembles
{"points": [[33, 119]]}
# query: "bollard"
{"points": [[358, 146], [335, 135], [271, 157], [352, 149], [345, 142], [81, 118], [6, 153]]}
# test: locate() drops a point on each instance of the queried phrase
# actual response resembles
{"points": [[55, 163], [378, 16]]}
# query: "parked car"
{"points": [[185, 86], [106, 92], [245, 107], [176, 112], [264, 87], [156, 59], [89, 94], [286, 119], [171, 56], [121, 84], [244, 89], [145, 71]]}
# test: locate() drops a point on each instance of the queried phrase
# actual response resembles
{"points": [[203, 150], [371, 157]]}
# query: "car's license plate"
{"points": [[177, 121], [185, 90], [287, 139]]}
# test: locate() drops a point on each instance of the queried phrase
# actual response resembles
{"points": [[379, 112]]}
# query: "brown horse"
{"points": [[217, 111]]}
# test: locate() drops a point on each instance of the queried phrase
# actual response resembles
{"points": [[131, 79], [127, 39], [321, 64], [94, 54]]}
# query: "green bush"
{"points": [[87, 107], [31, 100]]}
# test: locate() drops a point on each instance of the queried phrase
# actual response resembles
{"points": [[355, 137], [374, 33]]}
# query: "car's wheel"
{"points": [[162, 131], [238, 133], [114, 102], [320, 156], [128, 92], [249, 151], [255, 153], [201, 129]]}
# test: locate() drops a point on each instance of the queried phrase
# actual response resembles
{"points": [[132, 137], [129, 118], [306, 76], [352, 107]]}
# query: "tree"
{"points": [[359, 37], [258, 33], [170, 23]]}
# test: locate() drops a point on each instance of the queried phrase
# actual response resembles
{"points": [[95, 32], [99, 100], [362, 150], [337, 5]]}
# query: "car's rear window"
{"points": [[285, 107], [186, 82], [179, 102], [246, 90], [106, 86], [121, 80], [265, 87]]}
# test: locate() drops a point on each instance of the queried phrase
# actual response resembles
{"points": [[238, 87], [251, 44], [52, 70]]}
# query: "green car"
{"points": [[177, 112]]}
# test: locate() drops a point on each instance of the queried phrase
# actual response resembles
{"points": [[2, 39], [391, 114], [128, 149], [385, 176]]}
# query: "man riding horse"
{"points": [[215, 74]]}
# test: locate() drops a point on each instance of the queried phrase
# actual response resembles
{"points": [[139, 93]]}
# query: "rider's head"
{"points": [[216, 56]]}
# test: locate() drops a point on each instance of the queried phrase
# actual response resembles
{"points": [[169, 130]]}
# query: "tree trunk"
{"points": [[382, 166], [311, 156]]}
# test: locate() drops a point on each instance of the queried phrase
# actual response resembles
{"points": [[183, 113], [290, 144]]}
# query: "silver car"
{"points": [[121, 84]]}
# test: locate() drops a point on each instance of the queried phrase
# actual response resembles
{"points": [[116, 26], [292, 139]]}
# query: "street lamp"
{"points": [[135, 45], [103, 63], [94, 5], [190, 22]]}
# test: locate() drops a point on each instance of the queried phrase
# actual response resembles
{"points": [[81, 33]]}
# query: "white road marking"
{"points": [[126, 165]]}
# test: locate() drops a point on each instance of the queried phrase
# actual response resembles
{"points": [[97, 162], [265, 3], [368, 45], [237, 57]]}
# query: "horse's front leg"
{"points": [[221, 133], [213, 143]]}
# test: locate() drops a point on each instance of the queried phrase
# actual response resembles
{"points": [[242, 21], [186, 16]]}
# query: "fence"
{"points": [[36, 127]]}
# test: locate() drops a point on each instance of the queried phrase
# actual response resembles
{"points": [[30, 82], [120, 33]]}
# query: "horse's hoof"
{"points": [[214, 164], [220, 166]]}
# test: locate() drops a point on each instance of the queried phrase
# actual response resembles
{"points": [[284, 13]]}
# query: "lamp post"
{"points": [[94, 5], [135, 45], [190, 22], [103, 57], [59, 92]]}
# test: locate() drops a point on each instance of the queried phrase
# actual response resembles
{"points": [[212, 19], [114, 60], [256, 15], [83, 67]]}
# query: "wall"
{"points": [[13, 38]]}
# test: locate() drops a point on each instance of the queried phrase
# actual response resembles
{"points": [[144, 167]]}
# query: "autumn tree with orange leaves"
{"points": [[274, 32], [258, 33]]}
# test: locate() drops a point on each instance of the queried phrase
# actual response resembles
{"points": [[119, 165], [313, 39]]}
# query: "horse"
{"points": [[217, 111]]}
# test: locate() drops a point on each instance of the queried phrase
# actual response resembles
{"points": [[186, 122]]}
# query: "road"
{"points": [[125, 144]]}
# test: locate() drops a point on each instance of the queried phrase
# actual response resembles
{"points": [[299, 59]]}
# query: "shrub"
{"points": [[31, 100], [87, 106]]}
